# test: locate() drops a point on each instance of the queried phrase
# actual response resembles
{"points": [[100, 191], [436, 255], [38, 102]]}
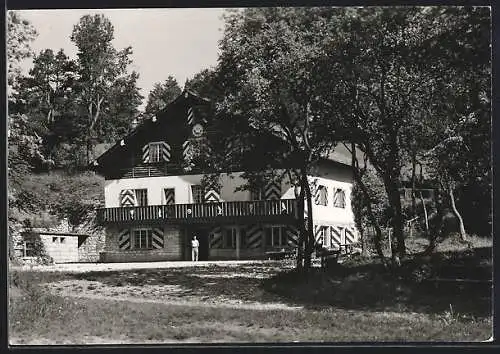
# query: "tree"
{"points": [[20, 33], [385, 91], [161, 95], [100, 65], [47, 97], [205, 84], [266, 70]]}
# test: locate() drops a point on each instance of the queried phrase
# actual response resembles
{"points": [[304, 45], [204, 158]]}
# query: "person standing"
{"points": [[195, 245]]}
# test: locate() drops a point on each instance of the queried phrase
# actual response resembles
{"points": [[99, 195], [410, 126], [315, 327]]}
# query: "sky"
{"points": [[177, 42]]}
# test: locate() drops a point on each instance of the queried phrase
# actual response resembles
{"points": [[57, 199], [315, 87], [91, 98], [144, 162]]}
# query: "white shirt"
{"points": [[195, 244]]}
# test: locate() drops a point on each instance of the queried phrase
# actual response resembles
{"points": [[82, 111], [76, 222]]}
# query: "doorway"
{"points": [[202, 235]]}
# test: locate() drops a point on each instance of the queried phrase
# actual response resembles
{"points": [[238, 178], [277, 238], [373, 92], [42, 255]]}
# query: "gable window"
{"points": [[339, 198], [229, 237], [197, 192], [275, 236], [322, 196], [143, 239], [141, 196], [154, 152]]}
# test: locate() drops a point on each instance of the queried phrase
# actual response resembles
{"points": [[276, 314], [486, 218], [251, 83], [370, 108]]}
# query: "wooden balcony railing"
{"points": [[259, 208]]}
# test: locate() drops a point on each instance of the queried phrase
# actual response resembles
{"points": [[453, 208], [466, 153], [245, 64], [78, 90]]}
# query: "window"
{"points": [[322, 195], [154, 152], [169, 194], [275, 236], [339, 198], [54, 239], [197, 193], [29, 248], [143, 239], [63, 239], [229, 237], [141, 195], [256, 194]]}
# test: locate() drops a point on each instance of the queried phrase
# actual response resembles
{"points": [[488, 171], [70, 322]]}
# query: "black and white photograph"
{"points": [[249, 175]]}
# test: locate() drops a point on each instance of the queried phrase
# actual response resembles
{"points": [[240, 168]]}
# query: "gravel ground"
{"points": [[102, 267]]}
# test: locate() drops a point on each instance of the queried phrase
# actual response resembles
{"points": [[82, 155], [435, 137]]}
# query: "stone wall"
{"points": [[172, 250]]}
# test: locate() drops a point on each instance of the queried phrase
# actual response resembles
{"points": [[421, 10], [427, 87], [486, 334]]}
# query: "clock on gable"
{"points": [[197, 130]]}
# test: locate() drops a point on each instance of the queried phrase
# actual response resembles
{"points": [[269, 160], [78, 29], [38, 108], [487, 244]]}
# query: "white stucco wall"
{"points": [[181, 184], [329, 175]]}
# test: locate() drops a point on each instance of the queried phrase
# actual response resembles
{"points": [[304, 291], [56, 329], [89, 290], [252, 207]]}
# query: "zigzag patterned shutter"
{"points": [[216, 237], [190, 115], [157, 238], [292, 235], [145, 153], [350, 235], [127, 198], [335, 236], [186, 146], [124, 239], [165, 151], [318, 233], [211, 196], [272, 191], [254, 236], [169, 196]]}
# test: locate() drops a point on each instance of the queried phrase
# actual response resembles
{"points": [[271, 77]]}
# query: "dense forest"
{"points": [[397, 85]]}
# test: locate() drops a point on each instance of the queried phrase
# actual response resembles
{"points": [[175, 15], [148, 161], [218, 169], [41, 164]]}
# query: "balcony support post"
{"points": [[238, 236]]}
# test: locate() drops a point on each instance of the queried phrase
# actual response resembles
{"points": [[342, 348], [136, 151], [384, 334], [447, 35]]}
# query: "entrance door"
{"points": [[202, 236]]}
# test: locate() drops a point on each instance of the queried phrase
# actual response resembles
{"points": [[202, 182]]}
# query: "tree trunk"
{"points": [[426, 218], [398, 247], [309, 239], [413, 183], [463, 235], [371, 217], [435, 231], [302, 232]]}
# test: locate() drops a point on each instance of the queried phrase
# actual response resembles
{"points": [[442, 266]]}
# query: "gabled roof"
{"points": [[186, 95], [340, 156]]}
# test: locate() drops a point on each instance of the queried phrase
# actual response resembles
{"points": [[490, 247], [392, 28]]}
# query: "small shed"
{"points": [[63, 247]]}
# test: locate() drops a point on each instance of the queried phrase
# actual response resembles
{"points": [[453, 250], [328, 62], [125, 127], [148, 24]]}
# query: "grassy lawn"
{"points": [[356, 302]]}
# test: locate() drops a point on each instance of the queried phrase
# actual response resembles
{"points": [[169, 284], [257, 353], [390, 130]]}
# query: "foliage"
{"points": [[20, 33], [161, 95], [102, 73]]}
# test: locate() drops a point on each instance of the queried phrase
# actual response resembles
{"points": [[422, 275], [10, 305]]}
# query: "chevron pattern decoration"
{"points": [[127, 198], [211, 196], [216, 237], [337, 236], [157, 238], [254, 236], [272, 191], [190, 115], [351, 235], [169, 196], [145, 153], [165, 151], [124, 239], [292, 235], [318, 233], [185, 149]]}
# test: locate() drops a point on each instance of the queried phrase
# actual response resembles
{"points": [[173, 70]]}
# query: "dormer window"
{"points": [[154, 152]]}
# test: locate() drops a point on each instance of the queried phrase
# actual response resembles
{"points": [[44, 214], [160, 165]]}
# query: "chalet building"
{"points": [[155, 203]]}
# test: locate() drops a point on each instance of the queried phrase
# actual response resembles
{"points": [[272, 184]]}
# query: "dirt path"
{"points": [[104, 267], [164, 294]]}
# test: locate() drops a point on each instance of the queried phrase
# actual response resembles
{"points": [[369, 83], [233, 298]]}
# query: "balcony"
{"points": [[239, 211]]}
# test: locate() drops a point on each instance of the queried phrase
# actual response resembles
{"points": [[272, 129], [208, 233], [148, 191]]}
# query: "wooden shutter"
{"points": [[145, 153]]}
